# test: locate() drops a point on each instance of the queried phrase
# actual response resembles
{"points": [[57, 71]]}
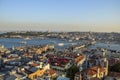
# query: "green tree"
{"points": [[115, 68], [71, 72]]}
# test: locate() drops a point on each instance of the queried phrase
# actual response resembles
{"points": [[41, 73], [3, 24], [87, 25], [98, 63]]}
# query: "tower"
{"points": [[1, 63], [104, 61], [86, 62], [13, 48], [106, 68], [78, 74], [80, 70], [35, 57], [104, 53]]}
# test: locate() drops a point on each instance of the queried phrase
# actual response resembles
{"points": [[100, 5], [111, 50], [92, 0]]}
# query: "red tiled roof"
{"points": [[79, 58], [58, 61], [34, 64], [93, 70], [51, 72], [12, 57]]}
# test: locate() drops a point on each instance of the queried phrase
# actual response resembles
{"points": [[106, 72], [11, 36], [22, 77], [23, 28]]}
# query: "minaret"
{"points": [[13, 48], [2, 47], [105, 62], [103, 58], [80, 70], [104, 52], [97, 61], [86, 62], [106, 68], [1, 63], [98, 71], [78, 75]]}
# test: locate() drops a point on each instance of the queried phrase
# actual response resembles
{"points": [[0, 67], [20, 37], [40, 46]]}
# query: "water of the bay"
{"points": [[16, 42]]}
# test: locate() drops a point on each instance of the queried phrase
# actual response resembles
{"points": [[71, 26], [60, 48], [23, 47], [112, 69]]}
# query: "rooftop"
{"points": [[93, 70]]}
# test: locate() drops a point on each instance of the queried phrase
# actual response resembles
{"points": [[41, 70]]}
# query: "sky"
{"points": [[60, 15]]}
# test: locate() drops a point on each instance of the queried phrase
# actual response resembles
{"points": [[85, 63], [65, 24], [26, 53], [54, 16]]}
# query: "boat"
{"points": [[27, 38], [23, 42], [70, 40], [93, 42], [60, 44], [73, 43], [2, 47]]}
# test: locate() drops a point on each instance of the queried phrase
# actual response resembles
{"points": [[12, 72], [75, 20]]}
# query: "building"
{"points": [[113, 76], [94, 72], [62, 78], [61, 65], [1, 63], [96, 67], [79, 60], [78, 76], [35, 72]]}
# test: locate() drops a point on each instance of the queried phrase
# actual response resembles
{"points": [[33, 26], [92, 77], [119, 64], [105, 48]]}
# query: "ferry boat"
{"points": [[60, 44], [70, 40], [27, 38], [93, 42], [2, 47], [23, 42]]}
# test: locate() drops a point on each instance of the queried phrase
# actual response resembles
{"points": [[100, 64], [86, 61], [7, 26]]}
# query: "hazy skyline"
{"points": [[60, 15]]}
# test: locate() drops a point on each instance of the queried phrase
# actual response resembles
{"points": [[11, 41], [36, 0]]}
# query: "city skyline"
{"points": [[60, 15]]}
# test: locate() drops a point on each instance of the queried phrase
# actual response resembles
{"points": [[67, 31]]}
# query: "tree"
{"points": [[115, 68], [71, 72]]}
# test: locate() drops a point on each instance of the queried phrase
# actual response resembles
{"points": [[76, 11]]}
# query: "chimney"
{"points": [[98, 70]]}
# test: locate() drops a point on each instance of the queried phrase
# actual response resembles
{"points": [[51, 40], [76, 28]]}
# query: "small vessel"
{"points": [[70, 40], [2, 47], [60, 44], [73, 43], [42, 38], [23, 42], [54, 42], [27, 38], [93, 42]]}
